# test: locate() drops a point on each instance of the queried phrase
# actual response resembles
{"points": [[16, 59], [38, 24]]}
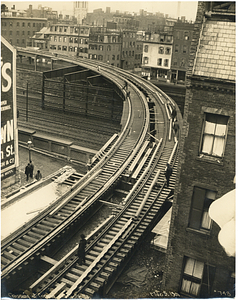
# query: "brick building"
{"points": [[196, 263], [131, 52], [105, 46], [182, 34], [19, 30], [69, 39]]}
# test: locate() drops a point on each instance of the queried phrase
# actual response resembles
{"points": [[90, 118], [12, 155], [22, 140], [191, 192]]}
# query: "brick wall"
{"points": [[194, 171]]}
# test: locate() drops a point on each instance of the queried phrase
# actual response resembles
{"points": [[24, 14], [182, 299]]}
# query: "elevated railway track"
{"points": [[134, 160]]}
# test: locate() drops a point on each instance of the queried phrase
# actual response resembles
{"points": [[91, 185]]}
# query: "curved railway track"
{"points": [[113, 245]]}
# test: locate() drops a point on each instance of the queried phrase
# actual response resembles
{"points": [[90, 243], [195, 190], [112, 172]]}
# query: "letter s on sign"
{"points": [[6, 77]]}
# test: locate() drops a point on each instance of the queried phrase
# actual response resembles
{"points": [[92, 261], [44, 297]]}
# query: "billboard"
{"points": [[9, 135]]}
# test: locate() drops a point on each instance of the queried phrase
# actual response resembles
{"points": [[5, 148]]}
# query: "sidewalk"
{"points": [[47, 165]]}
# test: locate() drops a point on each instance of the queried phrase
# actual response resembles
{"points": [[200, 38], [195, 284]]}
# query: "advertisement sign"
{"points": [[9, 137]]}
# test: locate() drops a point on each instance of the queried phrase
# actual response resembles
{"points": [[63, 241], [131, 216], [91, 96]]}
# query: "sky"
{"points": [[187, 8]]}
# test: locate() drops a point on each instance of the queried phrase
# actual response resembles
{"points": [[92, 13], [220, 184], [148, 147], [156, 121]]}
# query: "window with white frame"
{"points": [[146, 48], [192, 276], [214, 135], [197, 278], [166, 62], [186, 35], [199, 218], [146, 60], [159, 61], [167, 50], [161, 50]]}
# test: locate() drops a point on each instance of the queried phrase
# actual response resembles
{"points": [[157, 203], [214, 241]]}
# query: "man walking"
{"points": [[168, 173], [81, 249]]}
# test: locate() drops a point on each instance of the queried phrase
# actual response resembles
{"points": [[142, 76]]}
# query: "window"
{"points": [[214, 135], [28, 32], [182, 64], [186, 36], [18, 24], [118, 56], [176, 48], [23, 24], [192, 276], [161, 50], [146, 60], [65, 29], [202, 199], [146, 48], [55, 38], [10, 24], [162, 38], [17, 41], [64, 48], [159, 62], [64, 40], [23, 41], [59, 47], [166, 62], [108, 48], [23, 32], [29, 24], [60, 29], [10, 33], [167, 50], [113, 57], [197, 278], [71, 40], [34, 24], [175, 62], [17, 32], [60, 38], [169, 38], [184, 49]]}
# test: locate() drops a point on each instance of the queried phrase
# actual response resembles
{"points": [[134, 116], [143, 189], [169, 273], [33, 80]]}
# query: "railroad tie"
{"points": [[56, 290]]}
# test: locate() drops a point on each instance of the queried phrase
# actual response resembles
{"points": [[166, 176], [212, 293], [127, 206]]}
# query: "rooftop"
{"points": [[217, 51]]}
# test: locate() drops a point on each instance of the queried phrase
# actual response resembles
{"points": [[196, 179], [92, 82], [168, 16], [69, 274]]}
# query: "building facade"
{"points": [[182, 35], [69, 39], [157, 54], [105, 46], [131, 52], [19, 30], [196, 264], [80, 10]]}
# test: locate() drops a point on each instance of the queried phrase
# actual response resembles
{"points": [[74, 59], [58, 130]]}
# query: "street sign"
{"points": [[9, 135]]}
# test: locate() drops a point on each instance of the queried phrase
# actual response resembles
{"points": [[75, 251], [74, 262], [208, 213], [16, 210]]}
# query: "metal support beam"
{"points": [[64, 87], [43, 92]]}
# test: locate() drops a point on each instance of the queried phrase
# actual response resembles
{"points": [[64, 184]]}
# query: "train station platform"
{"points": [[31, 200]]}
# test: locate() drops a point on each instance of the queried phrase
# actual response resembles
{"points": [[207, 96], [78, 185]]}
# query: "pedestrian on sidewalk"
{"points": [[27, 171], [38, 175], [31, 169], [81, 249]]}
